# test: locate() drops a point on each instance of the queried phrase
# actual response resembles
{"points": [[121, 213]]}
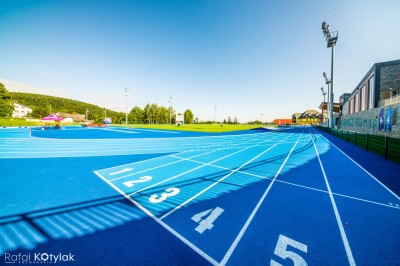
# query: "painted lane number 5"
{"points": [[282, 252], [169, 192]]}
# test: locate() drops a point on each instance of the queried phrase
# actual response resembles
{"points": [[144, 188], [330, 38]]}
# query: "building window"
{"points": [[371, 92], [362, 98], [356, 103], [350, 106]]}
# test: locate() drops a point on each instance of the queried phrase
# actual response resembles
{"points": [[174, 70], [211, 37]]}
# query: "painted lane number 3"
{"points": [[169, 192], [282, 252], [207, 223]]}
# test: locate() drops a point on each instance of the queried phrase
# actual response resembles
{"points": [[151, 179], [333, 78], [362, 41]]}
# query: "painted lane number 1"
{"points": [[207, 223], [282, 252]]}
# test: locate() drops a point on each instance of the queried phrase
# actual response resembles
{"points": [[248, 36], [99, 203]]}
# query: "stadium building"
{"points": [[376, 93]]}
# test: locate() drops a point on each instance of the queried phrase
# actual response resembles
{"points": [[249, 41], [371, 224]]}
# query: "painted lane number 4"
{"points": [[282, 252], [207, 223]]}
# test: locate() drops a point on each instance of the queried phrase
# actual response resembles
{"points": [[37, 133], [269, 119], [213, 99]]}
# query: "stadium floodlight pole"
{"points": [[329, 111], [331, 39], [126, 105], [323, 93], [170, 109]]}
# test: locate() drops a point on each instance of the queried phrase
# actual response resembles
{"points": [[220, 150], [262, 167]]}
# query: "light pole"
{"points": [[328, 109], [126, 105], [170, 109], [87, 111], [323, 93], [215, 114], [331, 39], [262, 119]]}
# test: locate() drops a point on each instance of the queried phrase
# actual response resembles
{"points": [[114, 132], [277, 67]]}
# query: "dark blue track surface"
{"points": [[263, 197]]}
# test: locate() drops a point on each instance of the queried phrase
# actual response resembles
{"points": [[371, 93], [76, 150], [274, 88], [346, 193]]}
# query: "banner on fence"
{"points": [[388, 116], [381, 119]]}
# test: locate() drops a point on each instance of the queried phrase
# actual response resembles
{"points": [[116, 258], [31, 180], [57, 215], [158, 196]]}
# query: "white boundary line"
{"points": [[337, 215], [172, 231], [394, 194], [249, 220]]}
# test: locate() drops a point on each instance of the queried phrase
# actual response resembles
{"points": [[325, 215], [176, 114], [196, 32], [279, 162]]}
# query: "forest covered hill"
{"points": [[43, 105]]}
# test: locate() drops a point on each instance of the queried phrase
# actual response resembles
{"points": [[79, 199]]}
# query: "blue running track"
{"points": [[115, 196]]}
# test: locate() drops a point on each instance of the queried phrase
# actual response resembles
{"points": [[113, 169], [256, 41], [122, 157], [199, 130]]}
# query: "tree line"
{"points": [[43, 105]]}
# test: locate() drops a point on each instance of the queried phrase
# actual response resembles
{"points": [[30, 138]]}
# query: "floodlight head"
{"points": [[322, 90], [325, 29], [327, 81]]}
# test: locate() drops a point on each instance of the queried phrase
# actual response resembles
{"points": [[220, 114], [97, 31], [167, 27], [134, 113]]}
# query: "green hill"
{"points": [[42, 105]]}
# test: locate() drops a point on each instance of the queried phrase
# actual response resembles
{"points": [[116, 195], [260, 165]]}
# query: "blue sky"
{"points": [[247, 57]]}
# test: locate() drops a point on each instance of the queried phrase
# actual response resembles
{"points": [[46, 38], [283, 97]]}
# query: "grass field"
{"points": [[214, 128]]}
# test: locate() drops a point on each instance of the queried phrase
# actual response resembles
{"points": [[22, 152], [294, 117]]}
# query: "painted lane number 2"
{"points": [[142, 179], [207, 223], [282, 252], [169, 192]]}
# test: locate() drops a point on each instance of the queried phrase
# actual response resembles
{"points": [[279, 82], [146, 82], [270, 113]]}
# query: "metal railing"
{"points": [[390, 101], [381, 145]]}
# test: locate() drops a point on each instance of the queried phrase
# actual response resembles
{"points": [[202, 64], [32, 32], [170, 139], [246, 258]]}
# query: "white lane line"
{"points": [[174, 145], [158, 166], [368, 201], [215, 183], [161, 131], [121, 171], [232, 146], [337, 215], [253, 213], [123, 131], [368, 173], [172, 231], [195, 149], [193, 169], [292, 184]]}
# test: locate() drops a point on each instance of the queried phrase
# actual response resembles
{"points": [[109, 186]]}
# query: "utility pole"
{"points": [[126, 105], [170, 109], [215, 114]]}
